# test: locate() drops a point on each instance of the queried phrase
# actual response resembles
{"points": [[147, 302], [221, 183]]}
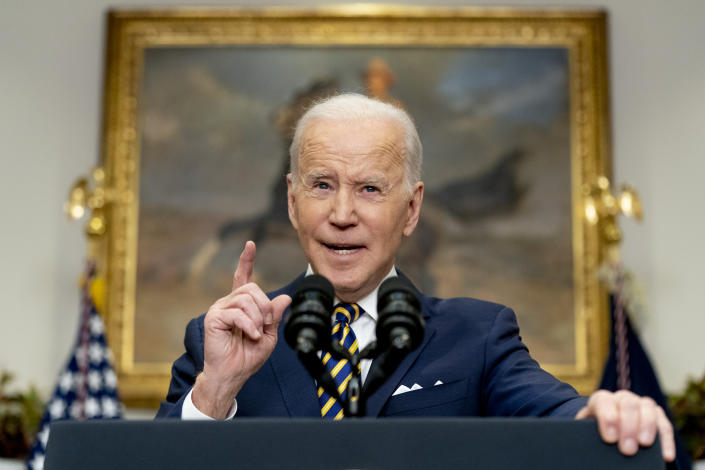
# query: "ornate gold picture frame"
{"points": [[198, 106]]}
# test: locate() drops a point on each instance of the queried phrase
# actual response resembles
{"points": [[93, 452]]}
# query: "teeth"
{"points": [[343, 250]]}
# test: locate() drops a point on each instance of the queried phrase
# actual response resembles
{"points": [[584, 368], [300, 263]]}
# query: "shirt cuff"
{"points": [[189, 410]]}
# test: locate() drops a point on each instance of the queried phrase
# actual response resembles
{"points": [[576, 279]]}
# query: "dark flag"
{"points": [[628, 368], [87, 386]]}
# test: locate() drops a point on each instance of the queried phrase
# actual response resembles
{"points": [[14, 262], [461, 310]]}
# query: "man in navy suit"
{"points": [[354, 192]]}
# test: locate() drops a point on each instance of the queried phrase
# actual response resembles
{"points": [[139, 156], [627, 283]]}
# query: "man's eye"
{"points": [[371, 189], [321, 185]]}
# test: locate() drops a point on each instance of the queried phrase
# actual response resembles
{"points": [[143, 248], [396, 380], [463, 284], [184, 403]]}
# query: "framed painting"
{"points": [[511, 107]]}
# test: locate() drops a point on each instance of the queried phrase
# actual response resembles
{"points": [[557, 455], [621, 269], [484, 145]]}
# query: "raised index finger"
{"points": [[246, 265]]}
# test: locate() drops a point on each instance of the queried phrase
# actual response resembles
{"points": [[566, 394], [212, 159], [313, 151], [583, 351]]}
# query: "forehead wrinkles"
{"points": [[318, 145]]}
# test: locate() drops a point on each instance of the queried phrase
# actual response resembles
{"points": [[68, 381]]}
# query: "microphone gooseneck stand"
{"points": [[399, 331]]}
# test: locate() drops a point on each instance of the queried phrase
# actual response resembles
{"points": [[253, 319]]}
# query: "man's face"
{"points": [[351, 204]]}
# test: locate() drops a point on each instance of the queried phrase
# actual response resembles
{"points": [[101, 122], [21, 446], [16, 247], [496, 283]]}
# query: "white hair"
{"points": [[356, 107]]}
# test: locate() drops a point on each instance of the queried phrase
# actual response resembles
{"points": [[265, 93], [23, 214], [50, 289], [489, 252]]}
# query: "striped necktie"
{"points": [[340, 370]]}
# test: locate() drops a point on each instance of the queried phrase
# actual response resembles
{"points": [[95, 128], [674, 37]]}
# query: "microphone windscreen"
{"points": [[308, 324], [318, 283], [396, 284]]}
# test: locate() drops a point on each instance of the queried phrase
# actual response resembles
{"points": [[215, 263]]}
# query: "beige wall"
{"points": [[51, 61]]}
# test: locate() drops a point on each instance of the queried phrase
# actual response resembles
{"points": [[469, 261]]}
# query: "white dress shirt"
{"points": [[364, 329]]}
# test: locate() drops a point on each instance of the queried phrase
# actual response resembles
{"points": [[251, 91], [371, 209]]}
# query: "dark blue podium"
{"points": [[404, 444]]}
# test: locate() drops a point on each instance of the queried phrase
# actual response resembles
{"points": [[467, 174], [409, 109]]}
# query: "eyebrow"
{"points": [[380, 181], [376, 181], [316, 175]]}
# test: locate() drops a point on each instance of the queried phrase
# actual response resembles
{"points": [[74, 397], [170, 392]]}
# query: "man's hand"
{"points": [[240, 332], [631, 421]]}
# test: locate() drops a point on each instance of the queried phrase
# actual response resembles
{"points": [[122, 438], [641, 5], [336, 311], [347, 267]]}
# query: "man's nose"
{"points": [[343, 212]]}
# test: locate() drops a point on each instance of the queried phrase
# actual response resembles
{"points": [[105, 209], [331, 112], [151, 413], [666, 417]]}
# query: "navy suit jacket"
{"points": [[473, 347]]}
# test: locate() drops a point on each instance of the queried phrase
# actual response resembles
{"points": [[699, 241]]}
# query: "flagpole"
{"points": [[602, 208]]}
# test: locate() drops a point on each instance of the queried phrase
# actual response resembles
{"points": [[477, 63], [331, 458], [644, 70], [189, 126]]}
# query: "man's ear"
{"points": [[414, 209], [291, 200]]}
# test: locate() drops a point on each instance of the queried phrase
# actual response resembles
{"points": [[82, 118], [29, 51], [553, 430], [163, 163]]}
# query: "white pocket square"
{"points": [[400, 390], [404, 388]]}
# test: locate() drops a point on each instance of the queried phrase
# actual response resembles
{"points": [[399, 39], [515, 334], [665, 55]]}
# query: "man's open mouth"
{"points": [[343, 249]]}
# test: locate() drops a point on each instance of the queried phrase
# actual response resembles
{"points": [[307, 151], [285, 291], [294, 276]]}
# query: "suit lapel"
{"points": [[297, 387], [378, 399]]}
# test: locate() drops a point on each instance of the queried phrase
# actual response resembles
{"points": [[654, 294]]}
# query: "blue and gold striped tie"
{"points": [[340, 370]]}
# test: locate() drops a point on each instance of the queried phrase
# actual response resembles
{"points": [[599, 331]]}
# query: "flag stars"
{"points": [[95, 380], [96, 325], [44, 436], [110, 379], [57, 408], [66, 382], [96, 353], [110, 407], [92, 407], [37, 463], [86, 388]]}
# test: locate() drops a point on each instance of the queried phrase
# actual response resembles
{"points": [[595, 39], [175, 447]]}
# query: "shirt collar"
{"points": [[369, 302]]}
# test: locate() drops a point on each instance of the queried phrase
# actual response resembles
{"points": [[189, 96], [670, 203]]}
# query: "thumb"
{"points": [[279, 304]]}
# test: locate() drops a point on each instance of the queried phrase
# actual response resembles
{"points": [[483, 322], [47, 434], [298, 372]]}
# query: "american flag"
{"points": [[87, 386]]}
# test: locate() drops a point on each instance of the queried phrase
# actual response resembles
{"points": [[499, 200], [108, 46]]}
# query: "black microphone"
{"points": [[400, 329], [399, 324], [308, 325]]}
